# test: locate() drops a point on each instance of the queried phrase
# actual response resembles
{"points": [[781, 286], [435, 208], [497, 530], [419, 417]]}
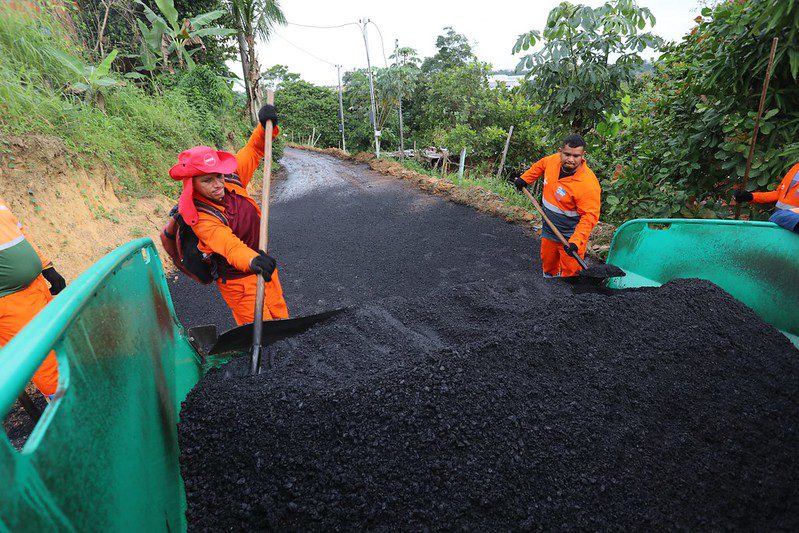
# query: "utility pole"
{"points": [[341, 110], [373, 117], [402, 136]]}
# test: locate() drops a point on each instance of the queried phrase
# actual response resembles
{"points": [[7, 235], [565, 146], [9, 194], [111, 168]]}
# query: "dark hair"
{"points": [[574, 141]]}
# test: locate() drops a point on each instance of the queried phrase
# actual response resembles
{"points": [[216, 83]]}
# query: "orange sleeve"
{"points": [[250, 156], [588, 207], [772, 196], [535, 171], [219, 238]]}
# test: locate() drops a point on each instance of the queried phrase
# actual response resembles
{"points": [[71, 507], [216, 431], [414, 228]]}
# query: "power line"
{"points": [[305, 51], [322, 27], [382, 45]]}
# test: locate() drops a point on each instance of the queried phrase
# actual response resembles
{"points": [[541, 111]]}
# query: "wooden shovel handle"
{"points": [[554, 229]]}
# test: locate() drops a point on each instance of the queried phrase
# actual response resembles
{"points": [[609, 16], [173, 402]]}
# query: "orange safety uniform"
{"points": [[572, 203], [786, 196], [238, 286], [23, 291]]}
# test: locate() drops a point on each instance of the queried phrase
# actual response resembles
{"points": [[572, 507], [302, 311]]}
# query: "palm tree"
{"points": [[253, 18]]}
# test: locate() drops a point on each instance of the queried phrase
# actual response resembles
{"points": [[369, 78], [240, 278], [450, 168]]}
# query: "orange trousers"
{"points": [[240, 297], [16, 310], [556, 262]]}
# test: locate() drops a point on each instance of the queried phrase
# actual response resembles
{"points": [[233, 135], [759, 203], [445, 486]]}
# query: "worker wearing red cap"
{"points": [[220, 179], [786, 195], [571, 201], [24, 291]]}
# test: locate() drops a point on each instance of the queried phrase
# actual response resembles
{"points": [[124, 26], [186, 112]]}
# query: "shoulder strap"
{"points": [[208, 209], [234, 179]]}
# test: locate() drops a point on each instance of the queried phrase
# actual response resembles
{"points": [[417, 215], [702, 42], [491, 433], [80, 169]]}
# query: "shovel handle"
{"points": [[263, 241], [554, 229]]}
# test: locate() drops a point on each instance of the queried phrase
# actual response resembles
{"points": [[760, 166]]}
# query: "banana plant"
{"points": [[93, 81], [168, 35]]}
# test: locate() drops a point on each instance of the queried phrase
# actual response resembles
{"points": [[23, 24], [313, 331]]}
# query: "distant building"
{"points": [[509, 80]]}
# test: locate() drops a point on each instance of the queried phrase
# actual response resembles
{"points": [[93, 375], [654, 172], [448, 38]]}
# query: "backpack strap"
{"points": [[208, 209], [234, 179]]}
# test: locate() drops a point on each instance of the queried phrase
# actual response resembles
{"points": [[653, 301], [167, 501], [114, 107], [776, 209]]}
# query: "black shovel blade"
{"points": [[240, 338], [602, 272]]}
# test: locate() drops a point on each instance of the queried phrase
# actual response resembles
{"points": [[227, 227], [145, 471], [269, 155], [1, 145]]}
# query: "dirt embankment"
{"points": [[473, 195], [74, 213]]}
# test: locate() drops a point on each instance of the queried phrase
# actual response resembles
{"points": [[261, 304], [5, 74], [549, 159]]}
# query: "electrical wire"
{"points": [[382, 45], [304, 50], [323, 27]]}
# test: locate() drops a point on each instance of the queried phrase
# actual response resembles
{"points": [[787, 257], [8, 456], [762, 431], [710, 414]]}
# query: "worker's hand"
{"points": [[267, 112], [520, 184], [571, 249], [742, 196], [56, 280], [263, 264]]}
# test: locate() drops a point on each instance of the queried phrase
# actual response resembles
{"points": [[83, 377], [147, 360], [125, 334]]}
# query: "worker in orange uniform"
{"points": [[24, 291], [217, 182], [786, 212], [571, 201]]}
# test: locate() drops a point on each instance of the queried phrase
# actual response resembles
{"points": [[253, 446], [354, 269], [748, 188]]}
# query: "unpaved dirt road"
{"points": [[343, 234]]}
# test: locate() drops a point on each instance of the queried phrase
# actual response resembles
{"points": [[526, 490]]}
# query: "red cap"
{"points": [[202, 160], [196, 162]]}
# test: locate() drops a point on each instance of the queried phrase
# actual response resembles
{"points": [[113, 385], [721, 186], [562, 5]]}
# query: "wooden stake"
{"points": [[504, 153], [757, 123]]}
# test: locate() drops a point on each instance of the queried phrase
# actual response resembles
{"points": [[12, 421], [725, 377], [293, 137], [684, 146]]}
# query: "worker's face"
{"points": [[571, 158], [212, 186]]}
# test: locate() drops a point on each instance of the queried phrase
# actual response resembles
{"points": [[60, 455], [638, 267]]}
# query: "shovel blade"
{"points": [[240, 338], [602, 272]]}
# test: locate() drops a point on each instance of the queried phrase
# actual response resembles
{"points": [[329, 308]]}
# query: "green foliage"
{"points": [[454, 50], [94, 81], [136, 131], [682, 142], [589, 54], [306, 109], [169, 35]]}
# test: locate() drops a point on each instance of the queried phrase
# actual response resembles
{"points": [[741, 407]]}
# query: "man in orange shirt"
{"points": [[24, 291], [786, 212], [571, 201], [216, 205]]}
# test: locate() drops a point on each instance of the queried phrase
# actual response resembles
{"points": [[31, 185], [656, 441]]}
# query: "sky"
{"points": [[312, 52]]}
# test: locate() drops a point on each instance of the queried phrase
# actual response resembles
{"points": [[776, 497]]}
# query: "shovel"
{"points": [[598, 272], [240, 338]]}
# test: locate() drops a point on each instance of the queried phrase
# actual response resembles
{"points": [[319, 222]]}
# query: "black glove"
{"points": [[263, 264], [570, 248], [743, 196], [267, 112], [56, 280], [520, 184]]}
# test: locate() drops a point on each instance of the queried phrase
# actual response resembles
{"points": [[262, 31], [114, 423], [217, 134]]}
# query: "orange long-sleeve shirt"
{"points": [[786, 195], [220, 238], [572, 203], [21, 262]]}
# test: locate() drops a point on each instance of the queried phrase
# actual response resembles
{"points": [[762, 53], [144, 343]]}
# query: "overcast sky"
{"points": [[492, 31]]}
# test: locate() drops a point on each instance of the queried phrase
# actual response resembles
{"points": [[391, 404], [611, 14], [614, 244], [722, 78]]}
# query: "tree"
{"points": [[170, 36], [274, 77], [253, 18], [589, 54], [454, 50]]}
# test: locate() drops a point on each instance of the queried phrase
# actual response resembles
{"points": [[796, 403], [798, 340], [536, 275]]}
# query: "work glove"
{"points": [[571, 249], [520, 184], [267, 112], [56, 280], [263, 264], [742, 196]]}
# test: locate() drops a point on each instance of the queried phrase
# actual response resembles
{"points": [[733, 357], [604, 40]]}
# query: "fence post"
{"points": [[461, 165], [504, 153]]}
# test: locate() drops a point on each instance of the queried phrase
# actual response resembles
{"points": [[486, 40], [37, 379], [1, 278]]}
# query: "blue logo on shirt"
{"points": [[560, 193]]}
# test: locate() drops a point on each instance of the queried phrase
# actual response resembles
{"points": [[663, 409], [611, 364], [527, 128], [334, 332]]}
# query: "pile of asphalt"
{"points": [[486, 407]]}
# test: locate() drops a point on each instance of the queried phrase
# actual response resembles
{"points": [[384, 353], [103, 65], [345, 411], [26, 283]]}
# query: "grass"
{"points": [[138, 130]]}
